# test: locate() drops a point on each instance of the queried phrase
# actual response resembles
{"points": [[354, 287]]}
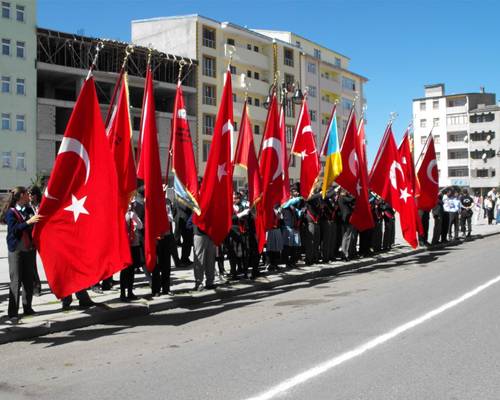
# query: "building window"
{"points": [[289, 109], [209, 37], [256, 49], [289, 133], [288, 60], [456, 172], [289, 82], [249, 46], [206, 150], [423, 106], [209, 66], [6, 47], [482, 173], [435, 104], [232, 68], [20, 123], [235, 126], [256, 129], [338, 62], [20, 86], [438, 156], [5, 9], [311, 91], [312, 115], [249, 74], [257, 103], [21, 161], [292, 161], [348, 83], [20, 14], [311, 67], [6, 159], [256, 75], [234, 98], [209, 95], [347, 104], [21, 52], [423, 139], [230, 41], [317, 54], [435, 122], [5, 122], [437, 139], [249, 101], [456, 103], [457, 154], [5, 84], [208, 124], [423, 123], [297, 44], [456, 119]]}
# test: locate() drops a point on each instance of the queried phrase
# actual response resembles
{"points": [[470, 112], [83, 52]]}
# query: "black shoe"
{"points": [[66, 307], [132, 296], [30, 312], [158, 294], [37, 292], [212, 286], [96, 289], [125, 299], [167, 293], [87, 304]]}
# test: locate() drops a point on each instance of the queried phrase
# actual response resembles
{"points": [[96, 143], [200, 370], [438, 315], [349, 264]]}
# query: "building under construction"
{"points": [[62, 65]]}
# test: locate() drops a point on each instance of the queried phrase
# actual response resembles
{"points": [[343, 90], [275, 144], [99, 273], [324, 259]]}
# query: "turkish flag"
{"points": [[149, 170], [354, 175], [216, 194], [284, 157], [119, 133], [388, 180], [428, 176], [304, 145], [271, 170], [183, 162], [246, 157], [78, 238], [409, 170]]}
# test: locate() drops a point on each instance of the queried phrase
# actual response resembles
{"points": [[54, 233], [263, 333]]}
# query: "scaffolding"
{"points": [[77, 51]]}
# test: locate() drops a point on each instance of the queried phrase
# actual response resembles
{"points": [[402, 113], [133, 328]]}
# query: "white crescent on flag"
{"points": [[431, 165], [73, 145], [276, 145]]}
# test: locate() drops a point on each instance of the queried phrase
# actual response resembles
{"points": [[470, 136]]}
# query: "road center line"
{"points": [[324, 367]]}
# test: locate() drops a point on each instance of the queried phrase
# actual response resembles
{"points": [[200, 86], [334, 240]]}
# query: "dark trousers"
{"points": [[82, 296], [453, 223], [424, 217], [21, 267], [186, 234], [436, 234], [445, 226], [127, 275], [161, 273], [466, 219], [312, 243]]}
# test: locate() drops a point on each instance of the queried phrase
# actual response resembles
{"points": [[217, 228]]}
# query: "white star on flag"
{"points": [[76, 207], [404, 194], [358, 187], [303, 154], [221, 171]]}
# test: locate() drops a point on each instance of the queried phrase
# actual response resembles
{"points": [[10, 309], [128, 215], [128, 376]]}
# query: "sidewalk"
{"points": [[51, 318]]}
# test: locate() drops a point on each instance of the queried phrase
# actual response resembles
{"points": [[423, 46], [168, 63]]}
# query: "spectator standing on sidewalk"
{"points": [[467, 204], [22, 254]]}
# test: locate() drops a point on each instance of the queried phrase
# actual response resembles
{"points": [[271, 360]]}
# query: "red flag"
{"points": [[245, 157], [78, 238], [216, 195], [284, 157], [394, 187], [428, 176], [119, 133], [409, 171], [304, 145], [271, 170], [149, 170], [354, 175], [183, 162]]}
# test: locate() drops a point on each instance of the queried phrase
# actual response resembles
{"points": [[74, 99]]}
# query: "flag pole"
{"points": [[99, 47], [129, 50], [169, 154]]}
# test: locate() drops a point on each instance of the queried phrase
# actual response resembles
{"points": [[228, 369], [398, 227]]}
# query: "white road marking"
{"points": [[313, 372]]}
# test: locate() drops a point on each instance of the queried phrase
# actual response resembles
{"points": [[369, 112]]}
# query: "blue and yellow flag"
{"points": [[331, 149]]}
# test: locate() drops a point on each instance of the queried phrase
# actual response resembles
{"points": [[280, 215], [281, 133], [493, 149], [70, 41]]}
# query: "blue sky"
{"points": [[399, 45]]}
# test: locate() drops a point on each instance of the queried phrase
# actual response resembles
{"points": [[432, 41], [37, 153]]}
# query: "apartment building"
{"points": [[464, 128], [18, 95], [257, 57]]}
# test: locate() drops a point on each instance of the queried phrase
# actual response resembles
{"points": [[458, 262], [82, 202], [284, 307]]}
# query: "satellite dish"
{"points": [[488, 138], [466, 139], [484, 156]]}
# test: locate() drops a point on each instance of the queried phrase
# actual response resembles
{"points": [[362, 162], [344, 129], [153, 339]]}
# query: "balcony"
{"points": [[248, 57], [458, 162]]}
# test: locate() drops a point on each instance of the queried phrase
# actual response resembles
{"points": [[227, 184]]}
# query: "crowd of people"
{"points": [[304, 232]]}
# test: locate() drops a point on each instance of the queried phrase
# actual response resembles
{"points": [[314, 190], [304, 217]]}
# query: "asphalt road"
{"points": [[423, 327]]}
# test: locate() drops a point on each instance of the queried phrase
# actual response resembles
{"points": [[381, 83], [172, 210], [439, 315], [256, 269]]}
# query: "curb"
{"points": [[107, 313]]}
